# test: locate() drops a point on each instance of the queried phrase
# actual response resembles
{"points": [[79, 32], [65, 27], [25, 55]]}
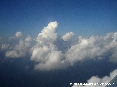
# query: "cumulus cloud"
{"points": [[46, 52], [85, 48], [48, 34], [96, 79], [68, 36], [51, 51], [93, 47], [19, 34], [4, 46], [21, 46]]}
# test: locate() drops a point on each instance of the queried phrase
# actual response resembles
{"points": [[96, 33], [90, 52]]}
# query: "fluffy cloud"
{"points": [[4, 46], [85, 48], [93, 47], [96, 79], [20, 48], [19, 34], [68, 36], [48, 34], [51, 51], [46, 52]]}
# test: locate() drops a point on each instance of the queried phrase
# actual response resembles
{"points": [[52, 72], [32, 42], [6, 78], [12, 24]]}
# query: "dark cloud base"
{"points": [[20, 73]]}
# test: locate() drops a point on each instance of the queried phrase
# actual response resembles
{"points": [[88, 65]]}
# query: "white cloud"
{"points": [[85, 48], [48, 33], [93, 47], [46, 52], [21, 47], [96, 79], [19, 34], [54, 60], [28, 41], [68, 36], [53, 52], [14, 54], [4, 46]]}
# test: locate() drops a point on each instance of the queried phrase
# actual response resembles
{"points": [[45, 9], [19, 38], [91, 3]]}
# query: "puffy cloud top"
{"points": [[19, 34], [21, 46], [48, 33], [68, 36], [46, 52], [93, 47], [4, 46], [52, 52]]}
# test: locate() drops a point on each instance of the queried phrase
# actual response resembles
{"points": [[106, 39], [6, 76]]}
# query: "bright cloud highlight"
{"points": [[68, 36], [50, 51]]}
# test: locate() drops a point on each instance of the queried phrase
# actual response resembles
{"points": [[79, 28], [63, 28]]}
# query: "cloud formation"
{"points": [[20, 46], [46, 52], [50, 51], [19, 34], [48, 34], [68, 36], [96, 79], [4, 46], [94, 47]]}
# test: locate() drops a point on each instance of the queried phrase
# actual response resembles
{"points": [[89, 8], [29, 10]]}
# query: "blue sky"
{"points": [[45, 59], [83, 17]]}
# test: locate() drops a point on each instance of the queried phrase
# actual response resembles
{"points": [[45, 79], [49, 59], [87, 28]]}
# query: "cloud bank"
{"points": [[50, 51], [96, 79], [19, 47]]}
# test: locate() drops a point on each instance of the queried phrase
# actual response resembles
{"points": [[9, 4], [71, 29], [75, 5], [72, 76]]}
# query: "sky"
{"points": [[84, 17], [57, 42]]}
